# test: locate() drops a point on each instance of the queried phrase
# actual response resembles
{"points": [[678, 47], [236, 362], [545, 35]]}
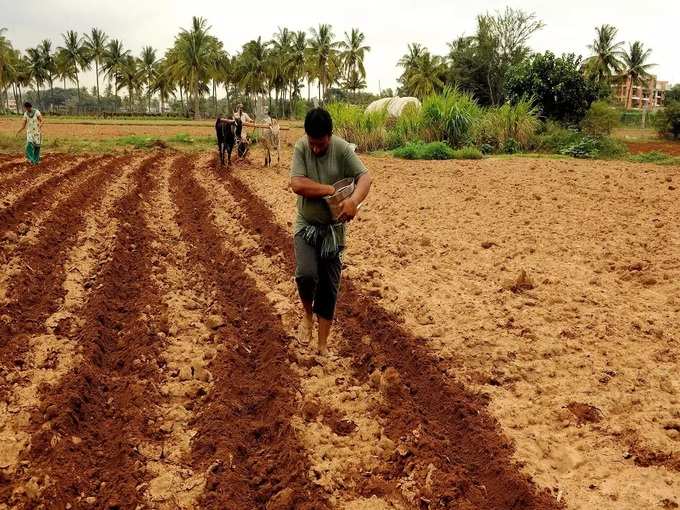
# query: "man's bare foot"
{"points": [[305, 330], [322, 348]]}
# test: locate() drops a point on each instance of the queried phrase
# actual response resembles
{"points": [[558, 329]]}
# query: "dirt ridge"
{"points": [[256, 461]]}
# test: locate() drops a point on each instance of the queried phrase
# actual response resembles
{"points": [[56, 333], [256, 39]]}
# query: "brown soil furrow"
{"points": [[336, 425], [84, 444], [20, 178], [187, 353], [458, 455], [20, 214], [51, 355], [245, 437], [34, 290]]}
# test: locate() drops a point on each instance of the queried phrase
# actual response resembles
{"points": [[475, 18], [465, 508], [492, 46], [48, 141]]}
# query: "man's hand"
{"points": [[348, 209]]}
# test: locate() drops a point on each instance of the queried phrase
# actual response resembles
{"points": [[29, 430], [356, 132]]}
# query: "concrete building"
{"points": [[647, 95]]}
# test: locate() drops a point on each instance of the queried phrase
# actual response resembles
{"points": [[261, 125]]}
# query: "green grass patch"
{"points": [[659, 158], [435, 150]]}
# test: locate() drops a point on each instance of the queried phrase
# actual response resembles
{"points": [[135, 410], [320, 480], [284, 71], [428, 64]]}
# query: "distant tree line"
{"points": [[277, 70]]}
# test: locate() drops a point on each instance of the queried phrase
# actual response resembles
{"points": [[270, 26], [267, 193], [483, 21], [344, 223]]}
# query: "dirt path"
{"points": [[245, 437], [465, 460]]}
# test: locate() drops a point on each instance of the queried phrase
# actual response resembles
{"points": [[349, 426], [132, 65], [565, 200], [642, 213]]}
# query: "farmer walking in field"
{"points": [[319, 161], [33, 121]]}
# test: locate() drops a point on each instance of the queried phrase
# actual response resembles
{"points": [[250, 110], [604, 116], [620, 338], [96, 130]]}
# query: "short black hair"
{"points": [[28, 105], [318, 123]]}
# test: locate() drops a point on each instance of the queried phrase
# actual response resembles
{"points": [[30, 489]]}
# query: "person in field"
{"points": [[321, 159], [244, 119], [33, 121]]}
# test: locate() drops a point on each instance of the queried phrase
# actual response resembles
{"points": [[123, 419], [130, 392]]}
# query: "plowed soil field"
{"points": [[507, 338]]}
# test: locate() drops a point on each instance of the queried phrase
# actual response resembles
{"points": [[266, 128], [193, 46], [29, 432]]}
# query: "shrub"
{"points": [[449, 116], [600, 120], [497, 125], [511, 146], [554, 138], [592, 147], [408, 127], [668, 120], [435, 150], [366, 130], [651, 157], [468, 153], [420, 150]]}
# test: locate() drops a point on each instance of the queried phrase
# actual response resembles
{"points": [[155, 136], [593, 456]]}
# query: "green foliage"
{"points": [[600, 120], [668, 120], [586, 146], [366, 130], [497, 125], [407, 127], [660, 158], [559, 87], [673, 94], [467, 153], [449, 116], [435, 150]]}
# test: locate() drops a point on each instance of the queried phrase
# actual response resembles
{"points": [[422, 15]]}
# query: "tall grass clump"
{"points": [[507, 128], [367, 130], [449, 116], [407, 128]]}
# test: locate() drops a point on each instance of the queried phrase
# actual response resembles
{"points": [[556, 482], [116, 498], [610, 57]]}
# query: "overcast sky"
{"points": [[389, 26]]}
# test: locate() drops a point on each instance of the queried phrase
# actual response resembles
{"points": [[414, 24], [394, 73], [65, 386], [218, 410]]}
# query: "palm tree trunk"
{"points": [[196, 102], [309, 90], [51, 93], [226, 89], [37, 88], [214, 98], [115, 108], [16, 97], [21, 97], [78, 87], [96, 71]]}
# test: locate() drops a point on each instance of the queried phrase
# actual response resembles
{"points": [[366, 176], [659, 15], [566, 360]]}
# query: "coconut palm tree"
{"points": [[128, 75], [148, 64], [95, 43], [36, 68], [354, 81], [409, 61], [76, 56], [353, 54], [606, 59], [636, 68], [114, 59], [22, 75], [252, 67], [279, 77], [427, 75], [49, 63], [163, 83], [323, 52], [297, 60], [6, 69], [196, 49]]}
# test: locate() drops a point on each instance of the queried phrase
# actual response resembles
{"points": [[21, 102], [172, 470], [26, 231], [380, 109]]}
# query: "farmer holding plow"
{"points": [[321, 160]]}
